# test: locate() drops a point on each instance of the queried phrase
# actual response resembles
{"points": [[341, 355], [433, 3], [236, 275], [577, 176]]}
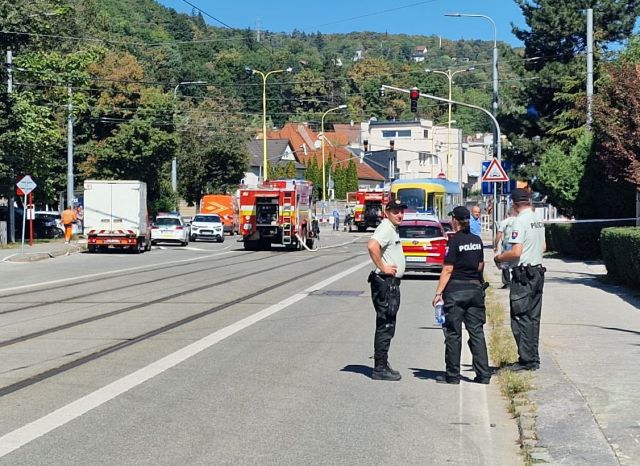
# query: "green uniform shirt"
{"points": [[389, 239], [528, 230]]}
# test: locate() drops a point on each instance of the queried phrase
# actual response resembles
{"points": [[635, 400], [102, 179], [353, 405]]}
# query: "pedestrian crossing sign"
{"points": [[495, 173]]}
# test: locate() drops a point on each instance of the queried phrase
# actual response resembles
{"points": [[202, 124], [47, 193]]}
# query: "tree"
{"points": [[555, 42], [617, 116], [560, 174], [138, 150]]}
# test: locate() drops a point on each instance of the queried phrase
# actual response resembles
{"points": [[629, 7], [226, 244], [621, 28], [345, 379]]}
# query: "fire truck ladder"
{"points": [[286, 219]]}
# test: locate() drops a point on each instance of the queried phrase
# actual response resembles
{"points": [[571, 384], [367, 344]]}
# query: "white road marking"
{"points": [[100, 274], [23, 435]]}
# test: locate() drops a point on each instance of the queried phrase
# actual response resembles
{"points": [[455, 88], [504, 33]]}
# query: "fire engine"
{"points": [[276, 212], [369, 210]]}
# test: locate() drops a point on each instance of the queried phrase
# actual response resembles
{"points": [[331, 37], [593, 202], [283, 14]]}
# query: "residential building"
{"points": [[423, 150], [420, 54], [279, 152], [307, 145]]}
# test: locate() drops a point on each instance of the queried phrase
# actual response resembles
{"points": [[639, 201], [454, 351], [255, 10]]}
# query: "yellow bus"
{"points": [[432, 195]]}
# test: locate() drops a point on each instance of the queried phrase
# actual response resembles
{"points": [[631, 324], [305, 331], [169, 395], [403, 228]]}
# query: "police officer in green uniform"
{"points": [[461, 287], [525, 295], [386, 253]]}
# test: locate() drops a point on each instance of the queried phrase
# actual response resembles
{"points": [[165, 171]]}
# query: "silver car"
{"points": [[207, 226]]}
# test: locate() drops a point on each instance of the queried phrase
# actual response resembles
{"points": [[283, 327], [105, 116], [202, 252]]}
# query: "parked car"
{"points": [[45, 224], [424, 244], [207, 226], [169, 229]]}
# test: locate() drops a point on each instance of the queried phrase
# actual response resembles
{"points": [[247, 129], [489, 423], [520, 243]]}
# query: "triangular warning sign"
{"points": [[495, 173]]}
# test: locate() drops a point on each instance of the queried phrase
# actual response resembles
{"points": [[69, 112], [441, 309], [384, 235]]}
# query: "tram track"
{"points": [[105, 315], [132, 285], [31, 380]]}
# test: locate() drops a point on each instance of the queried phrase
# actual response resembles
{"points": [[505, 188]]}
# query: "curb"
{"points": [[523, 409], [38, 256]]}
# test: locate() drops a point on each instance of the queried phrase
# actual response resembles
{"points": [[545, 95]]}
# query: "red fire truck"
{"points": [[277, 212], [369, 210]]}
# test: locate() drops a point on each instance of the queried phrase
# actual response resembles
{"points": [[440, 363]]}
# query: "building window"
{"points": [[426, 134], [390, 134], [422, 158]]}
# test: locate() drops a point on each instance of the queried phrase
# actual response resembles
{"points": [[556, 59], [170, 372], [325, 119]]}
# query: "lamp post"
{"points": [[496, 128], [495, 62], [174, 162], [264, 76], [324, 183], [449, 76]]}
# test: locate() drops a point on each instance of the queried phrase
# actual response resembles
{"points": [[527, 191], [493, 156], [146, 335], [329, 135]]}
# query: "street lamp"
{"points": [[264, 76], [174, 162], [449, 76], [495, 62], [324, 187], [496, 128]]}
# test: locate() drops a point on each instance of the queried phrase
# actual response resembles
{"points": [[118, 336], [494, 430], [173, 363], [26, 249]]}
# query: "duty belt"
{"points": [[389, 278]]}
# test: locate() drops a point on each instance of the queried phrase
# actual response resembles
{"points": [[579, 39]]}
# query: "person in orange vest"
{"points": [[69, 217]]}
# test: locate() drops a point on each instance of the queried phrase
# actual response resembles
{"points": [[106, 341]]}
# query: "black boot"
{"points": [[382, 371]]}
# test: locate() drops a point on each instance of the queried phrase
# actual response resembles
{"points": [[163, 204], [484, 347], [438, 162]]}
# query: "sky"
{"points": [[424, 17]]}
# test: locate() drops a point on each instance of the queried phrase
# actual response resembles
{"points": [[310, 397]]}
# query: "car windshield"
{"points": [[420, 231], [167, 221], [207, 218]]}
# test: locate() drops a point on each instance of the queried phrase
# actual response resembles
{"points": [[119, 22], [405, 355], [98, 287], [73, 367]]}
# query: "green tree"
{"points": [[560, 174]]}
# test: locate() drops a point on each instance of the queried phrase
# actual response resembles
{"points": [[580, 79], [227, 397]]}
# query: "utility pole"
{"points": [[589, 66], [11, 224], [70, 148]]}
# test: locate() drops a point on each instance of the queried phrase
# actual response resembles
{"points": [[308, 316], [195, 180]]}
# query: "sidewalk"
{"points": [[41, 251], [587, 391]]}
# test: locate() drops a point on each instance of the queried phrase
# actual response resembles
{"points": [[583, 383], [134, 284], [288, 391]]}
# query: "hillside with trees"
{"points": [[120, 64]]}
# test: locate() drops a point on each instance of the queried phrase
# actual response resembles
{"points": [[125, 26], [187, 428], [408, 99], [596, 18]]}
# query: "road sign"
{"points": [[505, 188], [26, 185], [495, 173]]}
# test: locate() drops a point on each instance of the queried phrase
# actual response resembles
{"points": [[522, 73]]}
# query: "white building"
{"points": [[422, 149]]}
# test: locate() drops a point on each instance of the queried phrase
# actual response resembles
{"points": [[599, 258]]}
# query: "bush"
{"points": [[578, 240], [621, 254]]}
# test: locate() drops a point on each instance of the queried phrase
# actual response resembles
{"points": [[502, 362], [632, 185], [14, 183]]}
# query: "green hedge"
{"points": [[621, 254], [578, 240]]}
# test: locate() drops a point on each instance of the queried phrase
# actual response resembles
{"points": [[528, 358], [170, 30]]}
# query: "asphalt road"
{"points": [[214, 355]]}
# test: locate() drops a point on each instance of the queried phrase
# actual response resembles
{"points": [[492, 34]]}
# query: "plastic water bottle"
{"points": [[439, 312]]}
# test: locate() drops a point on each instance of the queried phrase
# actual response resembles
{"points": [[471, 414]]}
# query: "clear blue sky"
{"points": [[341, 16]]}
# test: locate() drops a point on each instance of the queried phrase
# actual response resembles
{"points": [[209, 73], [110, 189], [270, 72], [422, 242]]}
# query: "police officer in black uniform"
{"points": [[527, 281], [462, 287]]}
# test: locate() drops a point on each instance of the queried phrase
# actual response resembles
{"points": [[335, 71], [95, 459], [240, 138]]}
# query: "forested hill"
{"points": [[175, 47], [147, 85]]}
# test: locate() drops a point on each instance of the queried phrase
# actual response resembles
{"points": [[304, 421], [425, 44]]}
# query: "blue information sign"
{"points": [[505, 188]]}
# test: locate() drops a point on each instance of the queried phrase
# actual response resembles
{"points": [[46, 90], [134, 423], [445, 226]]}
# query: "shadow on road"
{"points": [[358, 369]]}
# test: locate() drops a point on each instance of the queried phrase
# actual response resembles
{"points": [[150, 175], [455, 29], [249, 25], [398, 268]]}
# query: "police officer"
{"points": [[386, 254], [461, 286], [525, 295]]}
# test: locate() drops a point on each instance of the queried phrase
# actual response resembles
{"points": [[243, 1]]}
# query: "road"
{"points": [[216, 355]]}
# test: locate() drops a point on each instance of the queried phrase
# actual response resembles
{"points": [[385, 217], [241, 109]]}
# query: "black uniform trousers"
{"points": [[525, 299], [385, 294], [465, 305]]}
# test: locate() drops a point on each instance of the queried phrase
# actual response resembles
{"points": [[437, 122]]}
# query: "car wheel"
{"points": [[193, 237], [221, 240]]}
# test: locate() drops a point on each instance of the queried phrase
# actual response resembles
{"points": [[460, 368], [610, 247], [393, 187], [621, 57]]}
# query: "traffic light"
{"points": [[381, 92], [414, 95]]}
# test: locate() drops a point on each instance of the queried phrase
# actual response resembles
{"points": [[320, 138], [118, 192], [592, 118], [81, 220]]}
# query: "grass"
{"points": [[502, 351]]}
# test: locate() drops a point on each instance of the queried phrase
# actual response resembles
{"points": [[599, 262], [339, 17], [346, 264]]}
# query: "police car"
{"points": [[424, 242]]}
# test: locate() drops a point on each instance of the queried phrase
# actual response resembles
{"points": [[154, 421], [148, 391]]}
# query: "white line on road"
{"points": [[23, 435], [100, 274]]}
